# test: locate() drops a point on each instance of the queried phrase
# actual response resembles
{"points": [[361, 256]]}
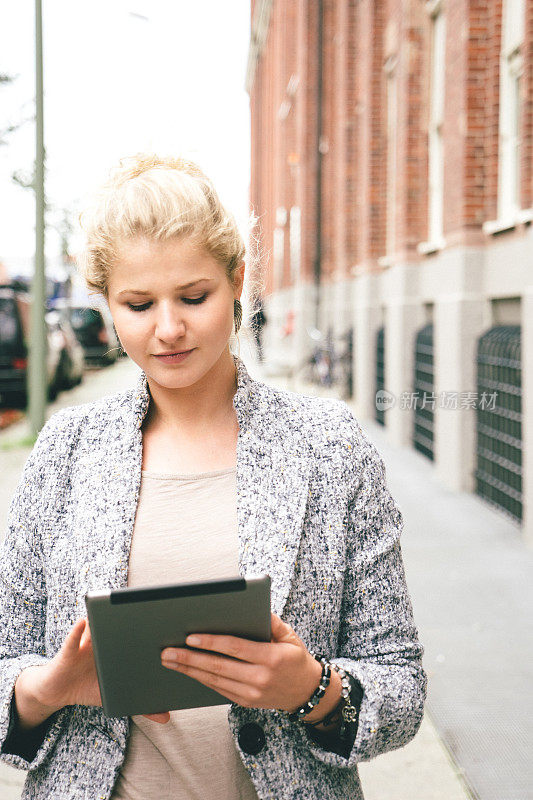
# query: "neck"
{"points": [[197, 406]]}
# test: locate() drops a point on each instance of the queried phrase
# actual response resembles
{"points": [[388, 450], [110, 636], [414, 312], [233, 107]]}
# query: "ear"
{"points": [[238, 279]]}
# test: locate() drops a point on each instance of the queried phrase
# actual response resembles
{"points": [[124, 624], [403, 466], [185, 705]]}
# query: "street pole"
{"points": [[37, 384], [317, 266]]}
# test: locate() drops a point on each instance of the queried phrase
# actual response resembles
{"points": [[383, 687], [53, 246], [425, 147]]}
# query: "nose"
{"points": [[169, 325]]}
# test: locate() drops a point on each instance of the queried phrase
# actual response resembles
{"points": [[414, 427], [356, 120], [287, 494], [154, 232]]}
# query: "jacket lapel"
{"points": [[272, 487], [110, 467]]}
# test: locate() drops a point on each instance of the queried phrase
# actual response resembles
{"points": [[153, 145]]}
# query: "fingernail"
{"points": [[194, 641]]}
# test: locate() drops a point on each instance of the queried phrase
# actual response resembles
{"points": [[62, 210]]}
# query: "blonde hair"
{"points": [[159, 198]]}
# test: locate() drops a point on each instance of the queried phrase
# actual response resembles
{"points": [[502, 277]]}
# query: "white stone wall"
{"points": [[464, 291]]}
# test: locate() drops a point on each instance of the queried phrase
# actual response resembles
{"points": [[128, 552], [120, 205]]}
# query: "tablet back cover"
{"points": [[130, 627]]}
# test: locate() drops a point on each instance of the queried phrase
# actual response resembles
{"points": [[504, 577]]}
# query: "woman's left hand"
{"points": [[281, 674]]}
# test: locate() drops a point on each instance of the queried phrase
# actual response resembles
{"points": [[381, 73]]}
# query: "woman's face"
{"points": [[170, 297]]}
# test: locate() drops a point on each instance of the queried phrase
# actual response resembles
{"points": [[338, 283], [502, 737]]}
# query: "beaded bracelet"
{"points": [[347, 710], [319, 692]]}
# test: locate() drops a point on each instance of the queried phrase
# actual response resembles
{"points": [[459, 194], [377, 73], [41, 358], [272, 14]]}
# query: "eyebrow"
{"points": [[179, 288]]}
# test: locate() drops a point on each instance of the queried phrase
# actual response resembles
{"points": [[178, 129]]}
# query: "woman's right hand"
{"points": [[70, 678]]}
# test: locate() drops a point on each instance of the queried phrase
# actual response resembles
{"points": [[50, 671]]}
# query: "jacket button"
{"points": [[251, 738]]}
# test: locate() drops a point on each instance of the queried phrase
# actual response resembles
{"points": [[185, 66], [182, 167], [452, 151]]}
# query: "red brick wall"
{"points": [[370, 172], [350, 52], [491, 113], [359, 36], [526, 164], [284, 149], [339, 205], [303, 167], [330, 140], [483, 35], [454, 115], [413, 157]]}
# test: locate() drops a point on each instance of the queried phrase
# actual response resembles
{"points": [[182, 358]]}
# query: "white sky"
{"points": [[116, 84]]}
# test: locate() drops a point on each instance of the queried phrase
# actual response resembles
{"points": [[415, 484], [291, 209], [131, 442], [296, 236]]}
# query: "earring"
{"points": [[237, 314]]}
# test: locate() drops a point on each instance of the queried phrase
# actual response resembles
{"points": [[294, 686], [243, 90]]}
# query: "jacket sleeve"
{"points": [[378, 641], [23, 606]]}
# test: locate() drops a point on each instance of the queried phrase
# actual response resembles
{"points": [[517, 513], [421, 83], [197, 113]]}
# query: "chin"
{"points": [[174, 379]]}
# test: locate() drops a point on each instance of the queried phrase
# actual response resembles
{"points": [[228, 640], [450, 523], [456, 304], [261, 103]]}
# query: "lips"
{"points": [[176, 353], [173, 358]]}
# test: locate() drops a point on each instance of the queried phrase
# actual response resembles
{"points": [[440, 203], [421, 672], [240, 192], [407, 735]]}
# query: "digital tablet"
{"points": [[131, 626]]}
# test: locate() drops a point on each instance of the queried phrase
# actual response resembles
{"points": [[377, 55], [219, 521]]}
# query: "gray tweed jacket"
{"points": [[313, 512]]}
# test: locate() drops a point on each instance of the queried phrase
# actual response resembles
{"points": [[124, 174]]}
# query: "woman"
{"points": [[201, 472]]}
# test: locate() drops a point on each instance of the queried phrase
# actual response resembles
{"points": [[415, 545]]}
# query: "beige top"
{"points": [[185, 530]]}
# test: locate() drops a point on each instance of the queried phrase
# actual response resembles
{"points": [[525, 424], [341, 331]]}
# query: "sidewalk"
{"points": [[470, 577]]}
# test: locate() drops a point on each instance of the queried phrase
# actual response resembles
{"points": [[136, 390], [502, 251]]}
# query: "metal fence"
{"points": [[424, 385], [499, 419]]}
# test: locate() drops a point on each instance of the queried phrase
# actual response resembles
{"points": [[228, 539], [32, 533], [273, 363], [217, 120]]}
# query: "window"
{"points": [[510, 74], [436, 118], [392, 153], [8, 322]]}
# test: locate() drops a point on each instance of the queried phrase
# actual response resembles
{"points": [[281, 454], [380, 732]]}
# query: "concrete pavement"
{"points": [[471, 580], [423, 770], [470, 576]]}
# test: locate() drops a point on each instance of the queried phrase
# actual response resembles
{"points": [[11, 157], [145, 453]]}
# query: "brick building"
{"points": [[392, 168]]}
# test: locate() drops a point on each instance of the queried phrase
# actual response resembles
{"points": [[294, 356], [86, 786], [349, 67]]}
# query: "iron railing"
{"points": [[424, 385], [499, 419]]}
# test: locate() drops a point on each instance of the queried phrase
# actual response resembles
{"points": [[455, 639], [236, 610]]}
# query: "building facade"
{"points": [[392, 171]]}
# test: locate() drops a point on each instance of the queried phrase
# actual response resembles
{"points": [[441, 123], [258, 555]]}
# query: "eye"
{"points": [[194, 300], [141, 307]]}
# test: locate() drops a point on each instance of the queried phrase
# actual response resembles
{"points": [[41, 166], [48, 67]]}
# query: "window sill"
{"points": [[427, 248], [494, 226], [525, 216], [521, 216]]}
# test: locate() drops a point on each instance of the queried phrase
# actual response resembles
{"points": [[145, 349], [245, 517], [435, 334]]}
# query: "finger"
{"points": [[72, 642], [86, 638], [232, 646], [282, 632], [278, 628], [216, 664], [161, 717]]}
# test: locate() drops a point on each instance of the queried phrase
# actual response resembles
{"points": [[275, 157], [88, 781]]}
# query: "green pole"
{"points": [[37, 387]]}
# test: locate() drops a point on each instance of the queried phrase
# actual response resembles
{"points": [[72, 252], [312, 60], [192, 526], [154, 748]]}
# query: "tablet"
{"points": [[130, 627]]}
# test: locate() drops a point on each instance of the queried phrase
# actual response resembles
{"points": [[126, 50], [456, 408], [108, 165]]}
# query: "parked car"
{"points": [[15, 308], [71, 364], [96, 333]]}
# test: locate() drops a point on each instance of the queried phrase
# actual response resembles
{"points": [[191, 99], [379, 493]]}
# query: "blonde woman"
{"points": [[201, 472]]}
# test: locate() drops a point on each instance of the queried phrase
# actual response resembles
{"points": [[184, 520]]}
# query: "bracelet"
{"points": [[349, 712], [345, 708], [319, 692]]}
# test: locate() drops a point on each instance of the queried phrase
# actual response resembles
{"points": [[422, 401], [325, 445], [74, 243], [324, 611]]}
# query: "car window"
{"points": [[8, 321]]}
